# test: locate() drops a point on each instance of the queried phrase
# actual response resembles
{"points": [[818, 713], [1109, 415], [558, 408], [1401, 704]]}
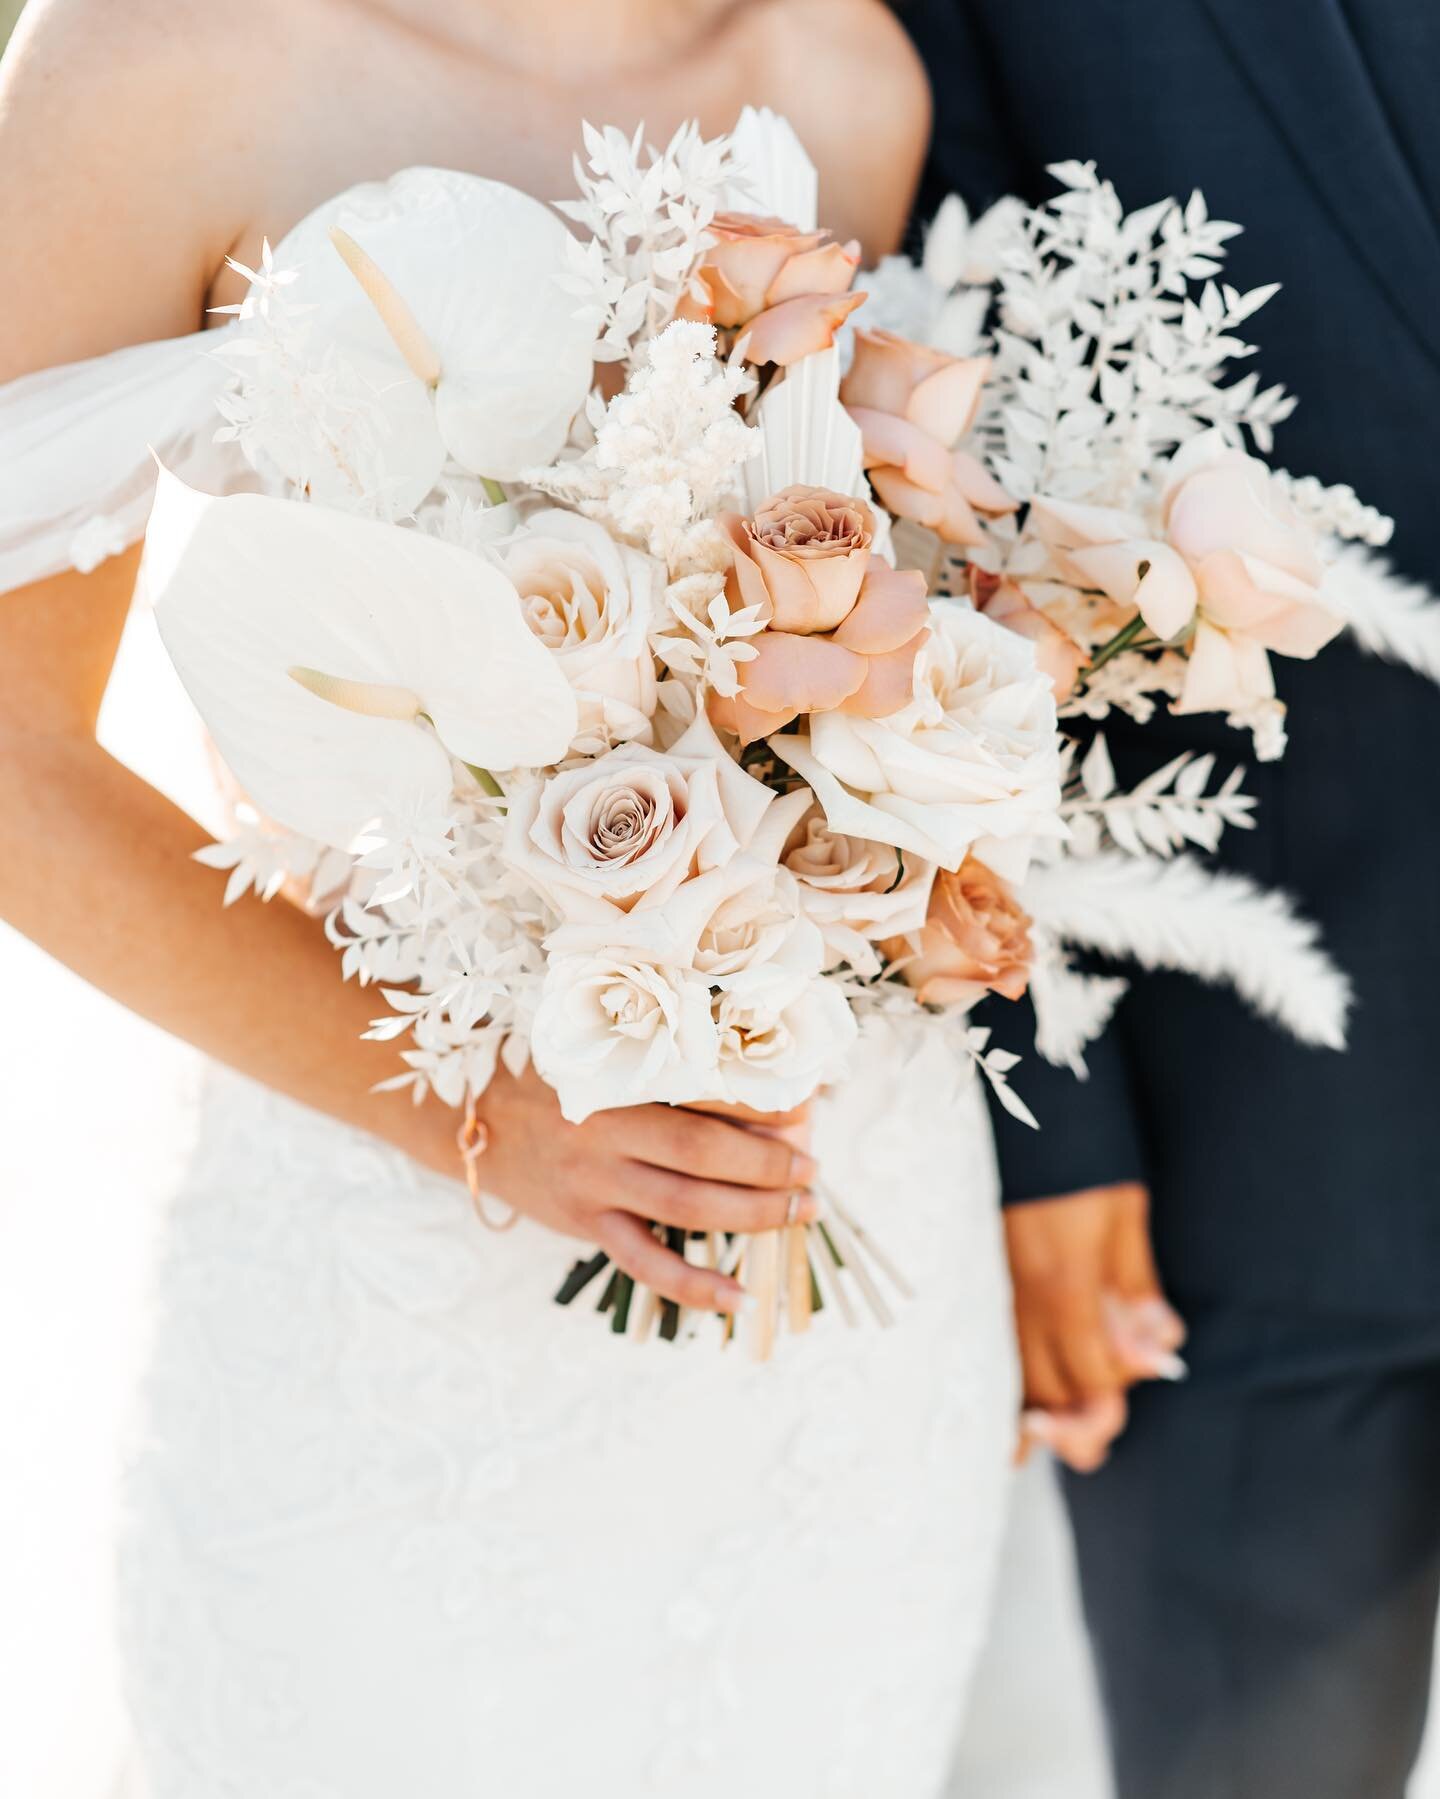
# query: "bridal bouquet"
{"points": [[670, 729]]}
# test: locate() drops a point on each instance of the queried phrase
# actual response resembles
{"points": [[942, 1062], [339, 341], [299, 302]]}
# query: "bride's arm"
{"points": [[97, 866]]}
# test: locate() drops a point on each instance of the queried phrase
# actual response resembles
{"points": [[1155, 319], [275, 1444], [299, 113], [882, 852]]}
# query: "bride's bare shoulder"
{"points": [[123, 135], [850, 80]]}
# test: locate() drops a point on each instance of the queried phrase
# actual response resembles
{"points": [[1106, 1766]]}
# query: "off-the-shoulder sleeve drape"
{"points": [[77, 449]]}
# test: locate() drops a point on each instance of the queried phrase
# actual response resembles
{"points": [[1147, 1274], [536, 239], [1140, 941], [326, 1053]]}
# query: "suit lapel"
{"points": [[1309, 76]]}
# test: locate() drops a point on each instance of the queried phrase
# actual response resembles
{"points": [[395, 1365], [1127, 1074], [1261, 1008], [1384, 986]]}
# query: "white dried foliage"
{"points": [[1167, 811], [1072, 1008], [1113, 340], [1215, 925], [647, 212], [1386, 614]]}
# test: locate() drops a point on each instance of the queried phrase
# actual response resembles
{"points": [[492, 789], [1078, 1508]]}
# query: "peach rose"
{"points": [[786, 289], [913, 405], [1237, 563], [843, 628], [975, 940], [1056, 653]]}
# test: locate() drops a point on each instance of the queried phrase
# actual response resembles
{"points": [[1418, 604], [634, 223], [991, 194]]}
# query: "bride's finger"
{"points": [[712, 1205], [708, 1148], [632, 1247]]}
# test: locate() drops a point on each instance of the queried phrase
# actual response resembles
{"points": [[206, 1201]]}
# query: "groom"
{"points": [[1260, 1557]]}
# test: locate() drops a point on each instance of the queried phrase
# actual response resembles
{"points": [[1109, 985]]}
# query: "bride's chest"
{"points": [[425, 112]]}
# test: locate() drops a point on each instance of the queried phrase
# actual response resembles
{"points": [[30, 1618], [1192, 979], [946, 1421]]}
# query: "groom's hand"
{"points": [[1090, 1315]]}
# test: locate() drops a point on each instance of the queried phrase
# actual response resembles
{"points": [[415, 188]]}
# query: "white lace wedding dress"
{"points": [[398, 1525]]}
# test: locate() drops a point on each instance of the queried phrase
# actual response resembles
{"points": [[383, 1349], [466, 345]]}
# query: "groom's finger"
{"points": [[1083, 1345]]}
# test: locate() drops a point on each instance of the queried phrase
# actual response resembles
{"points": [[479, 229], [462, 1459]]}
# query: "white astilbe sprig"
{"points": [[667, 451], [1337, 510], [1072, 1008], [1387, 615], [1216, 926], [647, 211], [1167, 810], [1113, 342], [263, 860]]}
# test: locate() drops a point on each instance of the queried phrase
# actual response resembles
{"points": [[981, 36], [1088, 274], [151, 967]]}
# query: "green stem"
{"points": [[487, 781], [1124, 639], [494, 492]]}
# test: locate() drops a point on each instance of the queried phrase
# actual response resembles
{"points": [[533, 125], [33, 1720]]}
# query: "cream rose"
{"points": [[611, 1031], [591, 601], [782, 1032], [630, 828], [856, 890], [971, 763], [975, 940]]}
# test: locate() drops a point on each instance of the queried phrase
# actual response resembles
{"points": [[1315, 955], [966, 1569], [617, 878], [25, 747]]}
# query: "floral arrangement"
{"points": [[670, 732]]}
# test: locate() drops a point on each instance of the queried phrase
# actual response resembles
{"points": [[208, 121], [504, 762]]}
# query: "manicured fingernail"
{"points": [[1039, 1425], [803, 1168], [1165, 1365], [1158, 1320], [807, 1208], [745, 1302]]}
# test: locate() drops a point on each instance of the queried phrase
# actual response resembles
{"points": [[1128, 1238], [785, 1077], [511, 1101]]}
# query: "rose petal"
{"points": [[1165, 593], [892, 442], [1068, 523], [945, 403], [809, 593], [889, 681], [794, 674], [978, 485], [1236, 505], [798, 328], [829, 269], [890, 610], [734, 713], [1224, 673]]}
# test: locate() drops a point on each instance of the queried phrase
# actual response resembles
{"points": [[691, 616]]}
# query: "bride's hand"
{"points": [[606, 1180]]}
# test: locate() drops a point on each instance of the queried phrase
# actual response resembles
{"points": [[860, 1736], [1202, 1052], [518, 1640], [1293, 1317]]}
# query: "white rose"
{"points": [[857, 891], [780, 1038], [591, 602], [630, 828], [971, 764], [610, 1031]]}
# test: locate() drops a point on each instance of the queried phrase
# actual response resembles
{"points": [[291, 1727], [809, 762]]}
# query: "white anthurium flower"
{"points": [[444, 291], [339, 664], [615, 1030], [970, 765]]}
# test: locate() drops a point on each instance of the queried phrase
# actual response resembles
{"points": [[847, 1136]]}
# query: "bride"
{"points": [[395, 1523]]}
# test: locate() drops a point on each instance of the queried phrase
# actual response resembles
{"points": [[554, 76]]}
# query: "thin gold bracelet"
{"points": [[472, 1140]]}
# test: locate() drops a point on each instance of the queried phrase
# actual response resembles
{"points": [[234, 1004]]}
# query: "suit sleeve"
{"points": [[1090, 1131], [975, 151]]}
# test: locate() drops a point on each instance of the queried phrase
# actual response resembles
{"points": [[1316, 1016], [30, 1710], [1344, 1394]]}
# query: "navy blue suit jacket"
{"points": [[1281, 1175]]}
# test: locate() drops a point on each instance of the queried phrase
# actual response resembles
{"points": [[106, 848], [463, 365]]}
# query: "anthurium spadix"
{"points": [[339, 663], [442, 292]]}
